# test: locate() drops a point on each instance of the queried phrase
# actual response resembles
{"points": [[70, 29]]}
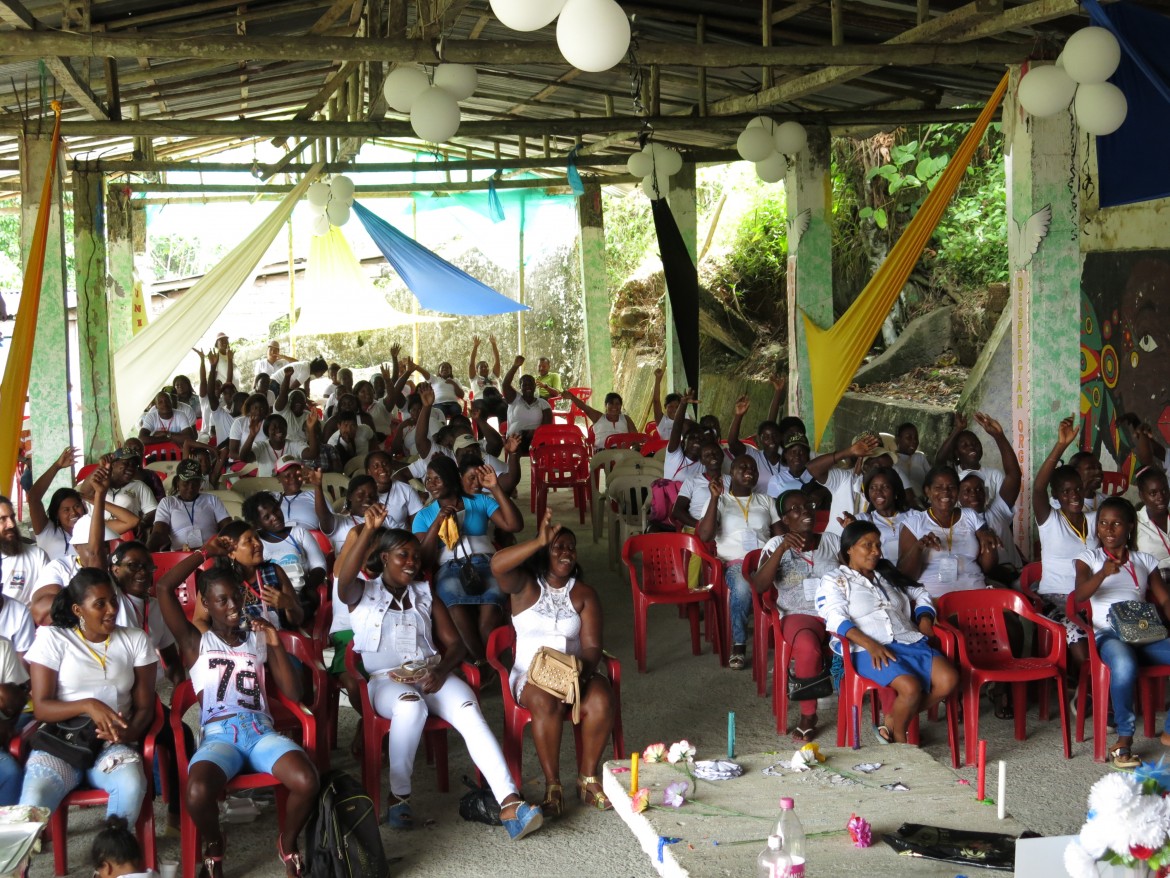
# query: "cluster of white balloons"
{"points": [[329, 203], [655, 164], [765, 144], [1079, 76], [433, 106], [593, 35]]}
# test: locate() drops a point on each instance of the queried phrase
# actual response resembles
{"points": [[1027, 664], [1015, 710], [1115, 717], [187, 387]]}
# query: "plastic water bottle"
{"points": [[791, 837], [773, 862]]}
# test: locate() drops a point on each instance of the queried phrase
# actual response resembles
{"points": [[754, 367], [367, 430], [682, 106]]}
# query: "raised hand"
{"points": [[548, 530], [100, 479], [218, 547], [960, 421], [65, 458], [311, 476], [375, 517], [288, 370], [254, 427], [742, 405], [658, 373], [426, 393], [474, 342], [395, 349], [778, 383], [512, 443], [1067, 431], [312, 419], [487, 477], [202, 356], [864, 445], [518, 362], [212, 358], [716, 489], [989, 424]]}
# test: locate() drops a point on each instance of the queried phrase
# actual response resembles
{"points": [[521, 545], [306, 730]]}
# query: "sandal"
{"points": [[738, 660], [1003, 704], [883, 734], [596, 799], [399, 814], [1123, 759], [294, 859], [805, 733], [212, 867], [554, 800]]}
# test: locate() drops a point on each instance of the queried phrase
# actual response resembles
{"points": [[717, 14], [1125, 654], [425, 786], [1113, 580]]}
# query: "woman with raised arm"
{"points": [[83, 664], [227, 665], [886, 618], [552, 607], [1111, 573], [526, 410], [606, 423], [477, 371], [268, 594], [53, 528], [410, 648]]}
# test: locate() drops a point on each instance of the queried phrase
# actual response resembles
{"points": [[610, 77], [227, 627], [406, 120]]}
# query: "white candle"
{"points": [[999, 803]]}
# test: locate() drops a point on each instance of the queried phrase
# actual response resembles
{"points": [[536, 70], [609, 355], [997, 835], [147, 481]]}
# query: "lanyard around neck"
{"points": [[100, 659]]}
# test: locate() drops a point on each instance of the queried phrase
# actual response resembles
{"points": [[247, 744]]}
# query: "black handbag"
{"points": [[73, 741], [808, 688], [469, 577]]}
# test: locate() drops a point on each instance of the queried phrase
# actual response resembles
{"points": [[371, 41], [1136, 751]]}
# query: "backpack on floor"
{"points": [[342, 837]]}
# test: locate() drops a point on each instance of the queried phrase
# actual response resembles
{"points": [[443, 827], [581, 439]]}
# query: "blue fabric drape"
{"points": [[1132, 162], [435, 282]]}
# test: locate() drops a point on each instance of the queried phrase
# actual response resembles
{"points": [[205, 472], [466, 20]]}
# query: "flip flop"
{"points": [[887, 738]]}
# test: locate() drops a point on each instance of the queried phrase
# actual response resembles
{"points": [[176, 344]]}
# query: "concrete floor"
{"points": [[682, 696]]}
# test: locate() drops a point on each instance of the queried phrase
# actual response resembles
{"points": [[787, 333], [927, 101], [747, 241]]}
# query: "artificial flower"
{"points": [[654, 753], [1079, 863], [675, 794], [859, 831], [680, 751], [816, 751], [640, 801]]}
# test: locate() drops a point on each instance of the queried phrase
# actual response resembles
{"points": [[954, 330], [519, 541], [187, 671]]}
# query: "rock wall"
{"points": [[858, 412]]}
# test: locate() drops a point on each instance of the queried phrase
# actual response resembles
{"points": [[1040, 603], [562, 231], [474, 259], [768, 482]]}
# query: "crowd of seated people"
{"points": [[417, 562]]}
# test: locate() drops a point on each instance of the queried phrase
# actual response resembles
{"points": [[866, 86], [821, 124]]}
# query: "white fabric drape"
{"points": [[149, 359]]}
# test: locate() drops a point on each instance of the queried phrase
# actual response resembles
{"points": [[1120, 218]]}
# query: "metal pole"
{"points": [[413, 298], [520, 297], [292, 293]]}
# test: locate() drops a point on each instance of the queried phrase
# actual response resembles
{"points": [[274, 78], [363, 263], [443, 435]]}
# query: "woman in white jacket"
{"points": [[886, 617]]}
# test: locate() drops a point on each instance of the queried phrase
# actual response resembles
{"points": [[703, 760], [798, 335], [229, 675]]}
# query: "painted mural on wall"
{"points": [[1125, 350]]}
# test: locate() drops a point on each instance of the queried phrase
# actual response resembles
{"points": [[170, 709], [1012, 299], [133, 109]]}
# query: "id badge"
{"points": [[405, 639], [948, 568], [750, 541], [811, 585]]}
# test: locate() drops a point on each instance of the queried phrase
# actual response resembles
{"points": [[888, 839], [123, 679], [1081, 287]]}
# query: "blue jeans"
{"points": [[11, 777], [449, 586], [47, 780], [739, 592], [1123, 660]]}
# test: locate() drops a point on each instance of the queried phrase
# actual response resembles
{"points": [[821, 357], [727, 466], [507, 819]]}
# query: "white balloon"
{"points": [[772, 169], [764, 122], [435, 116], [1045, 91], [1100, 107], [320, 225], [791, 138], [337, 213], [458, 79], [342, 189], [526, 15], [318, 193], [672, 161], [403, 85], [640, 164], [593, 35], [754, 144], [316, 209], [648, 187], [1091, 55]]}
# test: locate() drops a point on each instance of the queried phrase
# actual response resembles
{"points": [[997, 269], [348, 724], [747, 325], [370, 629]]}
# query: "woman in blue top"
{"points": [[453, 529]]}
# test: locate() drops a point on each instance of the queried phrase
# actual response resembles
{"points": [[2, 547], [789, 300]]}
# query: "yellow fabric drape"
{"points": [[148, 360], [835, 353], [14, 387]]}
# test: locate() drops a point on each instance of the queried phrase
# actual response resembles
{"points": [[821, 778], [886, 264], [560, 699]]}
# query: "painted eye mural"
{"points": [[1125, 351]]}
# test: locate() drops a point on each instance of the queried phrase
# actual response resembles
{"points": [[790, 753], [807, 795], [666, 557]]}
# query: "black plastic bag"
{"points": [[987, 850]]}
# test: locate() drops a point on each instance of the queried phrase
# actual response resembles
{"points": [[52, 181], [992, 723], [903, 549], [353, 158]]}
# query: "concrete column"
{"points": [[120, 256], [1046, 289], [50, 411], [594, 291], [808, 189], [99, 423], [682, 204]]}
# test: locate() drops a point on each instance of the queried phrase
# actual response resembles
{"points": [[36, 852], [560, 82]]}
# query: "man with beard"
{"points": [[20, 567]]}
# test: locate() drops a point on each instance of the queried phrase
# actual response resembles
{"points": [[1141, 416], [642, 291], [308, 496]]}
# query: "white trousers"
{"points": [[407, 707]]}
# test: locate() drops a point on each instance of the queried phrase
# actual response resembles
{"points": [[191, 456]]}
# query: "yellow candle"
{"points": [[634, 760]]}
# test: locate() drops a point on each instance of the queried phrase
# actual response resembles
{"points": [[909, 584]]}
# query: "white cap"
{"points": [[81, 530]]}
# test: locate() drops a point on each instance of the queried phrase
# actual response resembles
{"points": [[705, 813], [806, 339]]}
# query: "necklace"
{"points": [[100, 659], [1082, 533]]}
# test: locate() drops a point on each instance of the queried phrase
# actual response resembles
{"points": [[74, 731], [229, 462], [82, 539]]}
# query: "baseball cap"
{"points": [[464, 441], [188, 471], [125, 454], [887, 444], [81, 530], [286, 461], [796, 439]]}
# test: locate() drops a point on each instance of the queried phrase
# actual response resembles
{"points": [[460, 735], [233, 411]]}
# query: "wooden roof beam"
{"points": [[15, 13], [912, 49]]}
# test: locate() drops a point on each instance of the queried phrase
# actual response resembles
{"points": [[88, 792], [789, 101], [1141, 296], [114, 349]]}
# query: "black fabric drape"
{"points": [[682, 284]]}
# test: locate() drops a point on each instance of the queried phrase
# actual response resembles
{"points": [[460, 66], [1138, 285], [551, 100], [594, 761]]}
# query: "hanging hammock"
{"points": [[835, 353], [14, 387]]}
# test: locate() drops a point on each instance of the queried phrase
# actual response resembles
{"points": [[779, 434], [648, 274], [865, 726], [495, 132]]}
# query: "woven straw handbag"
{"points": [[559, 675]]}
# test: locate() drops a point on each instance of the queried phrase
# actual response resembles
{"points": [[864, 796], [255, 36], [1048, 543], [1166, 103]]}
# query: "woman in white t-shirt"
{"points": [[610, 422], [1065, 534], [1105, 576], [84, 665], [946, 548], [888, 506], [793, 564], [738, 520]]}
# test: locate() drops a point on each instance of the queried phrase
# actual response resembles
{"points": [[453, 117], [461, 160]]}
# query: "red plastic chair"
{"points": [[1096, 673], [375, 728], [1029, 581], [763, 609], [665, 558], [560, 466], [651, 429], [1114, 484], [625, 440], [557, 434], [85, 797], [86, 471], [985, 656], [516, 717], [651, 445], [156, 451], [780, 666], [313, 673], [854, 688], [186, 593], [327, 550], [322, 622]]}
